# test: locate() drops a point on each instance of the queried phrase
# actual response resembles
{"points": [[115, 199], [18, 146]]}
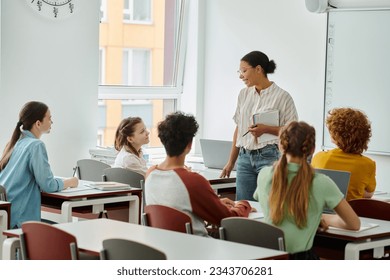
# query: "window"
{"points": [[102, 66], [136, 67], [137, 11], [141, 64]]}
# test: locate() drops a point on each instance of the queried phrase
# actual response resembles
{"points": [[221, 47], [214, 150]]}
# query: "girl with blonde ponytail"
{"points": [[293, 196]]}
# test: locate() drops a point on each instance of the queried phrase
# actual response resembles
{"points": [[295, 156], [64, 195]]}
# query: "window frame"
{"points": [[130, 12], [157, 92], [130, 60]]}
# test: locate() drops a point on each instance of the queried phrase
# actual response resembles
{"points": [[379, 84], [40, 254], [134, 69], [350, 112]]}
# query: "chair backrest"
{"points": [[252, 232], [3, 194], [165, 217], [371, 208], [123, 175], [91, 169], [41, 241], [121, 249]]}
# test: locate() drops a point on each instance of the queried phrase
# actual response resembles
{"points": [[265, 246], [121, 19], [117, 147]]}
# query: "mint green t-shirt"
{"points": [[323, 193]]}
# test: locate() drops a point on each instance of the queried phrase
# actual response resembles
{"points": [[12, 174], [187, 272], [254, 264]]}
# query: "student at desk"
{"points": [[130, 136], [24, 166], [350, 130], [293, 197], [170, 183]]}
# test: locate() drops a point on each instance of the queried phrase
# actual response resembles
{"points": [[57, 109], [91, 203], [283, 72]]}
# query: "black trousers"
{"points": [[305, 255]]}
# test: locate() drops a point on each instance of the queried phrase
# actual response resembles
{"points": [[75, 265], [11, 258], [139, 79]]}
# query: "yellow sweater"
{"points": [[361, 167]]}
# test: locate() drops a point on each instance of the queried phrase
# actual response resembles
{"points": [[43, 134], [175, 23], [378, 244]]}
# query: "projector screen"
{"points": [[358, 71]]}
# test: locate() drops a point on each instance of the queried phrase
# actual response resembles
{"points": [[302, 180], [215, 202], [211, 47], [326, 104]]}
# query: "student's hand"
{"points": [[228, 202], [253, 209], [71, 182], [323, 226], [257, 130], [226, 170]]}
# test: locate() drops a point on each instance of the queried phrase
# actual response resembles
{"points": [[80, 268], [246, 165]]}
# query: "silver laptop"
{"points": [[341, 178], [215, 152]]}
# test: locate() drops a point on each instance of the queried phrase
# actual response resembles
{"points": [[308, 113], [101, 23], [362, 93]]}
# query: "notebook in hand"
{"points": [[108, 186], [270, 117]]}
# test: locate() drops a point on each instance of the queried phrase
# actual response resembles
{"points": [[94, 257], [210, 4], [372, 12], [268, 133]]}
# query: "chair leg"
{"points": [[11, 249], [222, 233], [105, 214]]}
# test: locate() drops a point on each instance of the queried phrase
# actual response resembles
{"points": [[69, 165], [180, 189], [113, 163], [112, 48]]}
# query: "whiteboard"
{"points": [[358, 71]]}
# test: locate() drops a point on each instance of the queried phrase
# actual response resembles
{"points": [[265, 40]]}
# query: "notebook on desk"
{"points": [[215, 152], [108, 186], [341, 178]]}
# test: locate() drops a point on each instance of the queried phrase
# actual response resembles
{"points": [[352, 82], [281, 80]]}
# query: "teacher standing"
{"points": [[260, 95]]}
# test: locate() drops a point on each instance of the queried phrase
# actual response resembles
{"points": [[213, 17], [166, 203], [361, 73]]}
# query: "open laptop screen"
{"points": [[215, 152], [341, 178]]}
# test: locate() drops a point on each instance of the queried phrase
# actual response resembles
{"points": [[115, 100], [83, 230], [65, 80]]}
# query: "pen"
{"points": [[253, 126], [245, 133]]}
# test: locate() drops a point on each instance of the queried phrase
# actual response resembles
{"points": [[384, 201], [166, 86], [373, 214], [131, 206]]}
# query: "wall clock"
{"points": [[55, 9]]}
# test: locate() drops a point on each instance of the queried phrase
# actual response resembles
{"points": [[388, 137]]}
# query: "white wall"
{"points": [[56, 62], [287, 33]]}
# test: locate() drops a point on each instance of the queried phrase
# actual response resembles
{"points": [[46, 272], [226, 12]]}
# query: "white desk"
{"points": [[176, 245], [385, 196], [376, 238], [211, 174], [82, 196]]}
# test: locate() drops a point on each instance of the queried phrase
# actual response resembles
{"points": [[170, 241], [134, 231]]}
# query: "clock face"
{"points": [[55, 9]]}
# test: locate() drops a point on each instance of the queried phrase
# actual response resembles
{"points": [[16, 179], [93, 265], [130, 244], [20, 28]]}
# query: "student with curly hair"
{"points": [[170, 183], [130, 136], [293, 197], [350, 130]]}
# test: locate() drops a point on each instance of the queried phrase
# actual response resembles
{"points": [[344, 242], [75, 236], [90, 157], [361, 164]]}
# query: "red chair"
{"points": [[371, 208], [166, 217], [41, 241]]}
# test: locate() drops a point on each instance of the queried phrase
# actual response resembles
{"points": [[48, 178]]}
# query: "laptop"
{"points": [[215, 153], [341, 178]]}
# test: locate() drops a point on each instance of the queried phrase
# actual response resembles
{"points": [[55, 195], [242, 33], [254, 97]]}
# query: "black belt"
{"points": [[255, 152]]}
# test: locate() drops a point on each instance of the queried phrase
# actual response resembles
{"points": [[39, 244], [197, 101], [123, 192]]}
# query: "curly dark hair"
{"points": [[176, 132], [350, 129]]}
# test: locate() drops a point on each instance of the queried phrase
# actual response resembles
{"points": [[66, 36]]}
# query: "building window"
{"points": [[136, 67], [142, 65], [137, 11]]}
